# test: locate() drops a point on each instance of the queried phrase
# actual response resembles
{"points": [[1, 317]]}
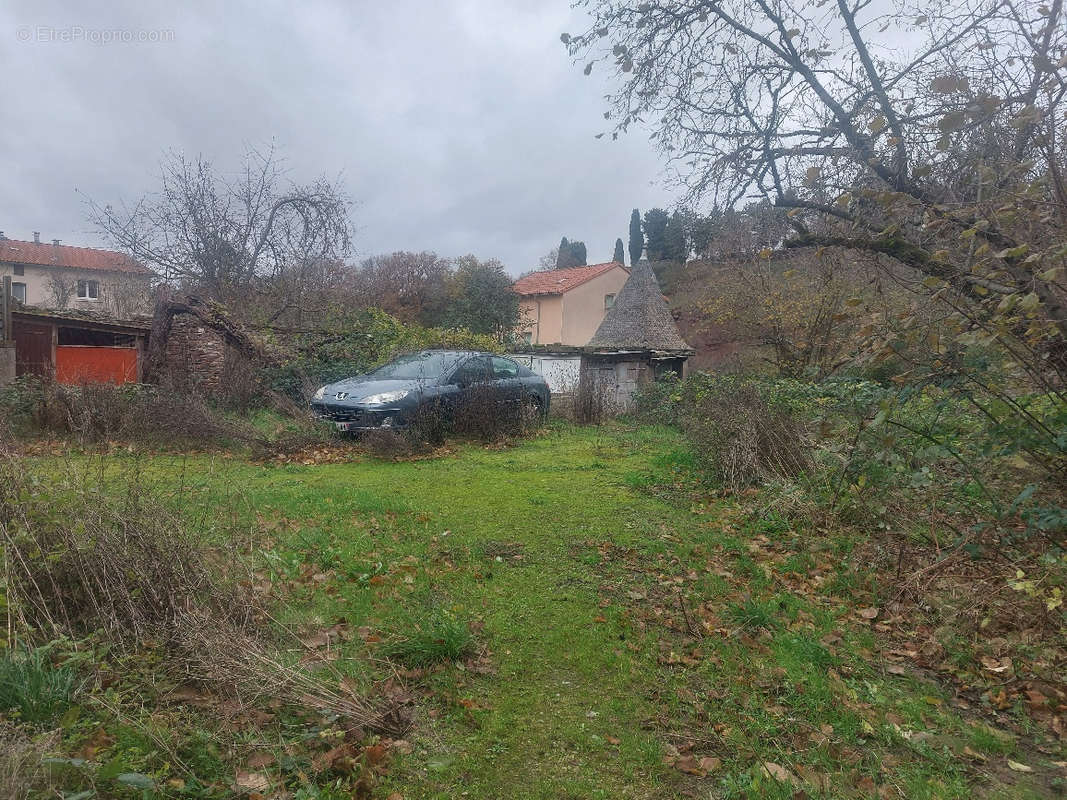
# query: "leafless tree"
{"points": [[548, 260], [411, 286], [61, 287], [128, 295], [232, 238], [898, 133]]}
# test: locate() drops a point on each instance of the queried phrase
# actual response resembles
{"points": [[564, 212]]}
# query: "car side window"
{"points": [[473, 370], [504, 368]]}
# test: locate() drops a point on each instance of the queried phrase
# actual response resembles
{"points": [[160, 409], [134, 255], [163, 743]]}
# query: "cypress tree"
{"points": [[676, 239], [656, 234], [571, 254], [637, 239], [564, 254], [578, 255], [618, 252]]}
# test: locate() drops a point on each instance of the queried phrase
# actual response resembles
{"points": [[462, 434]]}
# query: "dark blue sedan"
{"points": [[441, 382]]}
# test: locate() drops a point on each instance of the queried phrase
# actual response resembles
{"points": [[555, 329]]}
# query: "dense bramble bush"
{"points": [[869, 440], [362, 341], [104, 412], [742, 432]]}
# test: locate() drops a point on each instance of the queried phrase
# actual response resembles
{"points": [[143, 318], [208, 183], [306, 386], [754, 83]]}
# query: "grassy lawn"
{"points": [[631, 637]]}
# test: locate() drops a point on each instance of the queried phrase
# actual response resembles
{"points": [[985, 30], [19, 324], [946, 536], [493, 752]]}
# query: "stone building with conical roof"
{"points": [[637, 342]]}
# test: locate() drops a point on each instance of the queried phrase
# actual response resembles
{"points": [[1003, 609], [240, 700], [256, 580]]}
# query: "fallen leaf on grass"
{"points": [[1036, 699], [1015, 766], [868, 613], [191, 695], [710, 763], [341, 759], [259, 759], [1000, 700], [689, 765], [778, 772], [375, 754], [997, 665], [101, 740], [252, 781]]}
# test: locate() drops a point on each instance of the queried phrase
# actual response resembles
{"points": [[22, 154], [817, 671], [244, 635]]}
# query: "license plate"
{"points": [[345, 426]]}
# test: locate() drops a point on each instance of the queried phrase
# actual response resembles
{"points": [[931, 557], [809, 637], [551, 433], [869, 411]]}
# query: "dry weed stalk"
{"points": [[22, 773], [745, 439], [233, 661], [594, 400], [78, 560]]}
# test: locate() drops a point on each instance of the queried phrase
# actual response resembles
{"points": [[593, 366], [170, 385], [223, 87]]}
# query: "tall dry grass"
{"points": [[82, 559]]}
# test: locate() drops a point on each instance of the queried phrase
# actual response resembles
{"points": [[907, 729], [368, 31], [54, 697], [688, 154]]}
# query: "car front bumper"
{"points": [[356, 418]]}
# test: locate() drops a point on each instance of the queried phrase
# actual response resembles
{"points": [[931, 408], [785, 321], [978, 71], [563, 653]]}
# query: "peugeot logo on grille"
{"points": [[342, 395]]}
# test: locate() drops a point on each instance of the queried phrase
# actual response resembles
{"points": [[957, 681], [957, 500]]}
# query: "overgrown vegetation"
{"points": [[126, 570], [354, 343], [594, 401], [635, 632], [101, 415], [742, 435], [965, 538]]}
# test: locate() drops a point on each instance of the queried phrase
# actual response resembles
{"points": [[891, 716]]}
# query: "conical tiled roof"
{"points": [[640, 319]]}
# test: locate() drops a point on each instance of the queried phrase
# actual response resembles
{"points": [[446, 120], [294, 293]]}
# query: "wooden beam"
{"points": [[6, 331]]}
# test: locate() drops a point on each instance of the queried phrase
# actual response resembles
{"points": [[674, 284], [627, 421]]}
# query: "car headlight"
{"points": [[319, 394], [385, 397]]}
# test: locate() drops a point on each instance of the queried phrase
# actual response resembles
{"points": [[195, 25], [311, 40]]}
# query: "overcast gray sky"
{"points": [[457, 126]]}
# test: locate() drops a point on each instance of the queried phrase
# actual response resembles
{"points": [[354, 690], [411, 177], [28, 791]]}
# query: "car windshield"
{"points": [[420, 366]]}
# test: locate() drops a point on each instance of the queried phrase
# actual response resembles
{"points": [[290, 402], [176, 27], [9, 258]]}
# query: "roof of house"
{"points": [[78, 317], [61, 255], [558, 281], [640, 318]]}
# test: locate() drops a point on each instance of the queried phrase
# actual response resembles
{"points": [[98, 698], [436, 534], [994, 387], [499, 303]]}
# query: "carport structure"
{"points": [[79, 347]]}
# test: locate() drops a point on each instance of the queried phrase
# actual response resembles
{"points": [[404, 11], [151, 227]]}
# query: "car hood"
{"points": [[361, 386]]}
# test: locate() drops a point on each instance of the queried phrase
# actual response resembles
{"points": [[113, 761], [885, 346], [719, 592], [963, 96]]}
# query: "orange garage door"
{"points": [[79, 364]]}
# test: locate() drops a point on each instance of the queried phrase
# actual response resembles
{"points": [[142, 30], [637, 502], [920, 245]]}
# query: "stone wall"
{"points": [[196, 356]]}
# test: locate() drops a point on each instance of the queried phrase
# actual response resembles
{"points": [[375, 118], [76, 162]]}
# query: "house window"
{"points": [[18, 291], [88, 290], [20, 269], [528, 337], [609, 301]]}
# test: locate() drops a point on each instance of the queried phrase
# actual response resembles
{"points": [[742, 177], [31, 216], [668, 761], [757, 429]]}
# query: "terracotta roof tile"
{"points": [[558, 281], [61, 255]]}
